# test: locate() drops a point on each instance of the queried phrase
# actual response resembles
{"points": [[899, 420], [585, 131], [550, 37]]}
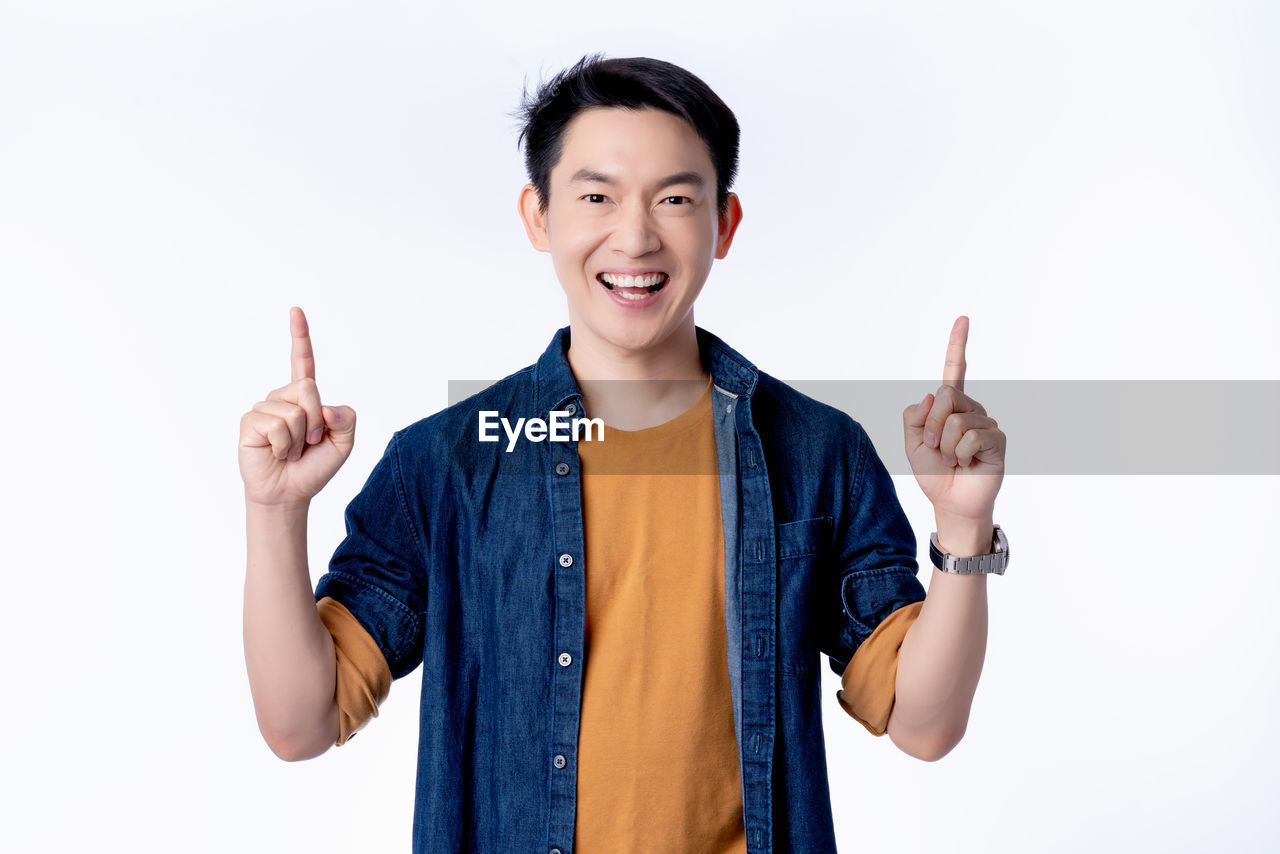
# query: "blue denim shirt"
{"points": [[467, 559]]}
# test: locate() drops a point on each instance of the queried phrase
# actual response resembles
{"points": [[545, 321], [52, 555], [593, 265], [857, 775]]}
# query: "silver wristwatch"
{"points": [[994, 562]]}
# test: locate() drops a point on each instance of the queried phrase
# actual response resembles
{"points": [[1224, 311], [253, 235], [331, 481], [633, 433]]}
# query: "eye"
{"points": [[594, 198], [679, 200]]}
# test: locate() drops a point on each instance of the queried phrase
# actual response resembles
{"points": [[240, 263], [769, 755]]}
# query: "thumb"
{"points": [[340, 420], [913, 418]]}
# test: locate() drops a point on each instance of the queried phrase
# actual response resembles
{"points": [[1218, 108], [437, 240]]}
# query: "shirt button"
{"points": [[556, 851], [565, 659], [562, 469], [571, 408], [566, 559], [559, 761]]}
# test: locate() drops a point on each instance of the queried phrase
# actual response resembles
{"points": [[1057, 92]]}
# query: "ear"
{"points": [[728, 224], [535, 221]]}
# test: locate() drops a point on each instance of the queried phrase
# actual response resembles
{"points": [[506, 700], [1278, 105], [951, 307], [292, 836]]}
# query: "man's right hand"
{"points": [[290, 445]]}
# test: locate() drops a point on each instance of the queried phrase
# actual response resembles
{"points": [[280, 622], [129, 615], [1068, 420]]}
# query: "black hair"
{"points": [[632, 83]]}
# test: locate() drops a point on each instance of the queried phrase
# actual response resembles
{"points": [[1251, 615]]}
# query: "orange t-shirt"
{"points": [[658, 760]]}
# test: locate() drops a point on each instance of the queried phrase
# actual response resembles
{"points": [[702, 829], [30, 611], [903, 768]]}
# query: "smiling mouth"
{"points": [[627, 287]]}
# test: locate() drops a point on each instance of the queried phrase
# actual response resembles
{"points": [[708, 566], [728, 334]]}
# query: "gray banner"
{"points": [[1142, 427]]}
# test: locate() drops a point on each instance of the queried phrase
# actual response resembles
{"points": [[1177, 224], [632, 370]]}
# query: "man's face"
{"points": [[634, 194]]}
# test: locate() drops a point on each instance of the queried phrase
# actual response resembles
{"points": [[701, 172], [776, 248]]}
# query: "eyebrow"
{"points": [[678, 178]]}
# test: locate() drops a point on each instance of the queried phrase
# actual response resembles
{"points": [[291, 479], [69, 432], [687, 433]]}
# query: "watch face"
{"points": [[1002, 545]]}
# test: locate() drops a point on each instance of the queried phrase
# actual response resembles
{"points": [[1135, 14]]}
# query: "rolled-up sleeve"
{"points": [[377, 573], [364, 680], [879, 593], [867, 686]]}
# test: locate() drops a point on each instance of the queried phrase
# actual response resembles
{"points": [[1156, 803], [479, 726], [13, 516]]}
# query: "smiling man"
{"points": [[621, 636]]}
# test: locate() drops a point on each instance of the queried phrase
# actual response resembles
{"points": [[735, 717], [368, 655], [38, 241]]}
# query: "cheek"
{"points": [[695, 248], [573, 242], [697, 237]]}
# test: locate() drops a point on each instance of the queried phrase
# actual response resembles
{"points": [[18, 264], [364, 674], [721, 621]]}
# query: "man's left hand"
{"points": [[955, 449]]}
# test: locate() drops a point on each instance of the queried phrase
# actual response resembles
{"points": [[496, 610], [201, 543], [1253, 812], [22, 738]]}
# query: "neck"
{"points": [[637, 389]]}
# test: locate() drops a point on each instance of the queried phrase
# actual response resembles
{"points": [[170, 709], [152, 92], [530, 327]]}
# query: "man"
{"points": [[620, 629]]}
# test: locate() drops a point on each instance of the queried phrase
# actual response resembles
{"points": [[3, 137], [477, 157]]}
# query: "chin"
{"points": [[633, 335], [633, 339]]}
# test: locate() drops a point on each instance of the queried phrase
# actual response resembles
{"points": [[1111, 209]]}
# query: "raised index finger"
{"points": [[953, 370], [300, 358]]}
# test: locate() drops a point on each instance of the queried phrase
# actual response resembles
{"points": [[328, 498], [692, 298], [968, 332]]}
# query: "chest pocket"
{"points": [[803, 551]]}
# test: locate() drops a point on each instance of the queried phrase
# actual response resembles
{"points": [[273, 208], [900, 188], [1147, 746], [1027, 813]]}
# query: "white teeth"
{"points": [[631, 296], [648, 280]]}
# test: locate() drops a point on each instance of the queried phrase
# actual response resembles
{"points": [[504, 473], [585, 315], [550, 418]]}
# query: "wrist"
{"points": [[965, 537], [288, 510]]}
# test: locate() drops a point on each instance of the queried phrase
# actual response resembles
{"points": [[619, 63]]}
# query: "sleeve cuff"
{"points": [[868, 682], [364, 679]]}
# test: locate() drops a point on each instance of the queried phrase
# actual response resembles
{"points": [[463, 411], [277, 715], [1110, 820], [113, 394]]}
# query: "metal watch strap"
{"points": [[989, 563]]}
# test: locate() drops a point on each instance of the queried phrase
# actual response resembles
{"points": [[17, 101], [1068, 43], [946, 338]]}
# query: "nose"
{"points": [[634, 234]]}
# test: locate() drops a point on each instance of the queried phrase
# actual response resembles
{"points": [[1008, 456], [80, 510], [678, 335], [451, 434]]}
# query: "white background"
{"points": [[1094, 184]]}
